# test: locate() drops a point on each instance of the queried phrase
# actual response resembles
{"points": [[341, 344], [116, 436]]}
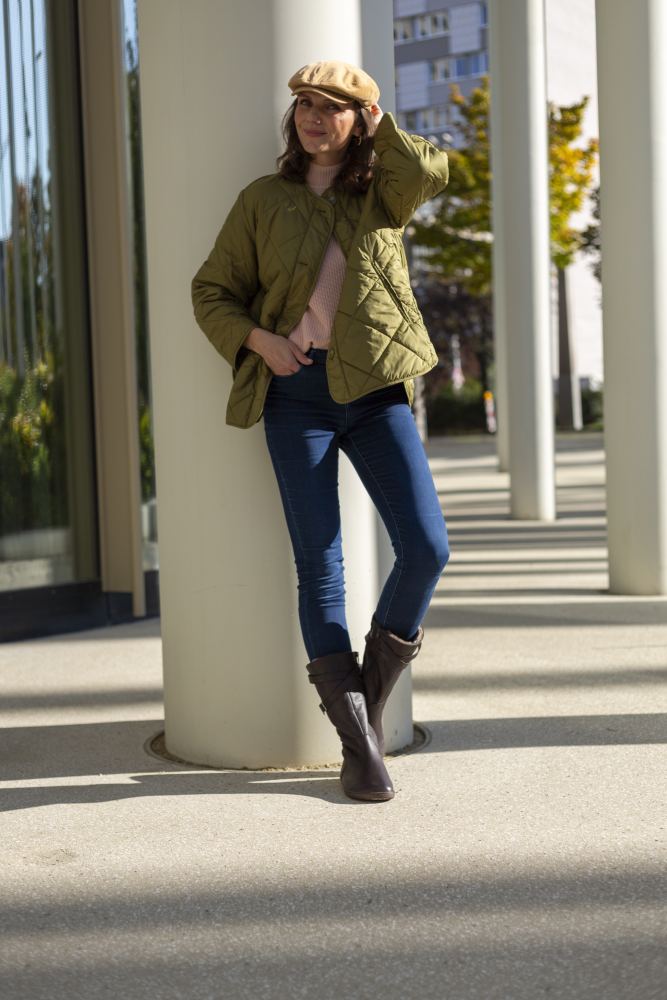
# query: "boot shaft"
{"points": [[337, 678], [385, 656]]}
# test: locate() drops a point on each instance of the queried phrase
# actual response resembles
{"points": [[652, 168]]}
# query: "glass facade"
{"points": [[47, 486], [51, 516], [133, 118]]}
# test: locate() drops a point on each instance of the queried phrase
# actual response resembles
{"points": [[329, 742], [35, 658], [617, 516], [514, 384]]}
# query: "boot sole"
{"points": [[379, 797]]}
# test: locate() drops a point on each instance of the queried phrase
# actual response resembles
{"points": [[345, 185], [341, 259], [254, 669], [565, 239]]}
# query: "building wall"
{"points": [[464, 27]]}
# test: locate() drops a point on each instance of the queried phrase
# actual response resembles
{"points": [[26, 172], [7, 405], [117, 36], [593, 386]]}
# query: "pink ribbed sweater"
{"points": [[314, 328]]}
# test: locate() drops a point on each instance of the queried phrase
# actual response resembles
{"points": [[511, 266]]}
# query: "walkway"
{"points": [[523, 856]]}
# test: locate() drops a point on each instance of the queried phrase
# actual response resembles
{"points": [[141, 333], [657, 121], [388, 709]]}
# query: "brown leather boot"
{"points": [[385, 656], [338, 681]]}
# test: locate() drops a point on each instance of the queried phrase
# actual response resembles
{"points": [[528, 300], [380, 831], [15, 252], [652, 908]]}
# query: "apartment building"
{"points": [[437, 43]]}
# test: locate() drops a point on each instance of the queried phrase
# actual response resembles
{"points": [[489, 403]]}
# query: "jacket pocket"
{"points": [[398, 301]]}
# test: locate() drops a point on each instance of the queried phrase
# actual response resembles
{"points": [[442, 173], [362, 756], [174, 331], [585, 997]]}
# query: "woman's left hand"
{"points": [[372, 117]]}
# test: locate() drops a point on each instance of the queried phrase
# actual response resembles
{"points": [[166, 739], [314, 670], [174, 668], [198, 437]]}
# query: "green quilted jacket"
{"points": [[267, 256]]}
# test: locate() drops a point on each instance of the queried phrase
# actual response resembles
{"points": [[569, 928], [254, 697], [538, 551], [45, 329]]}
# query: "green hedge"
{"points": [[451, 412], [591, 408]]}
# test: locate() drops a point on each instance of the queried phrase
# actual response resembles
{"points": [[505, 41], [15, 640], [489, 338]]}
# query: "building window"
{"points": [[440, 69], [472, 64], [425, 118], [480, 63], [434, 117], [406, 29], [423, 27], [403, 30], [483, 15], [430, 25]]}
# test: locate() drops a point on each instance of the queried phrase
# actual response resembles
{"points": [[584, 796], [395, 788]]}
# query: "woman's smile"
{"points": [[325, 141]]}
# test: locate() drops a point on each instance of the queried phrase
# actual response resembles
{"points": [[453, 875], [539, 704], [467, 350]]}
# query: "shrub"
{"points": [[451, 412], [591, 408]]}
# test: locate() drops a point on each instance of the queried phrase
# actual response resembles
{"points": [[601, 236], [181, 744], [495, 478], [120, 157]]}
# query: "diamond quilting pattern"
{"points": [[378, 334]]}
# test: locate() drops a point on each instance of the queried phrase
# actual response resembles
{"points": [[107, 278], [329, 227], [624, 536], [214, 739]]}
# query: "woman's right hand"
{"points": [[282, 355]]}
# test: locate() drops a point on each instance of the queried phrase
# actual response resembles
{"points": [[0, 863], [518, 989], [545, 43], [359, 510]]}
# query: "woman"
{"points": [[306, 294]]}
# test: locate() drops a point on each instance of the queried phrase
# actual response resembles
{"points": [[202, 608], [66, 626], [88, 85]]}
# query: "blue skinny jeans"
{"points": [[304, 429]]}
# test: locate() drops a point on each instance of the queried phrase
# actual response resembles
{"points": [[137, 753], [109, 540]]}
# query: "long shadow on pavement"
{"points": [[98, 749]]}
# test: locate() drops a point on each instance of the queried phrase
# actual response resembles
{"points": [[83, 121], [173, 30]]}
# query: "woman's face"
{"points": [[324, 126]]}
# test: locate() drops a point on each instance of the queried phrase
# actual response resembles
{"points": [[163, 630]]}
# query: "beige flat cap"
{"points": [[338, 80]]}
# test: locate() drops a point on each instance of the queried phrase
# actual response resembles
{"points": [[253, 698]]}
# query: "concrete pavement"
{"points": [[522, 857]]}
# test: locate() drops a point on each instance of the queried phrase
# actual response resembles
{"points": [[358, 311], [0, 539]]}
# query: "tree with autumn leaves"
{"points": [[455, 294]]}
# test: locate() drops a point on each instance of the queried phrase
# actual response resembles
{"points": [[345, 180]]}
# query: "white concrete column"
{"points": [[519, 157], [497, 261], [377, 58], [213, 90], [633, 210]]}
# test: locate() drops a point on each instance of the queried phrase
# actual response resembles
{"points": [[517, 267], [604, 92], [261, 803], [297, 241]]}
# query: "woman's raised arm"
{"points": [[409, 172]]}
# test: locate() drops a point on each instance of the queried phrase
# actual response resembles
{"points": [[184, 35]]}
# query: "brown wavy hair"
{"points": [[357, 171]]}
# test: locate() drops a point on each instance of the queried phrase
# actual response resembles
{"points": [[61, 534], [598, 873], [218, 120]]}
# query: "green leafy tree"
{"points": [[570, 174], [590, 237], [457, 239]]}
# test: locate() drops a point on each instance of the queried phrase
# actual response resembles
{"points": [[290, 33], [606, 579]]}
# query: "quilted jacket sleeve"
{"points": [[226, 283], [409, 170]]}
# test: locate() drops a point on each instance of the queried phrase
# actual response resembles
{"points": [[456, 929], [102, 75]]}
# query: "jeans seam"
{"points": [[295, 521], [393, 517]]}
